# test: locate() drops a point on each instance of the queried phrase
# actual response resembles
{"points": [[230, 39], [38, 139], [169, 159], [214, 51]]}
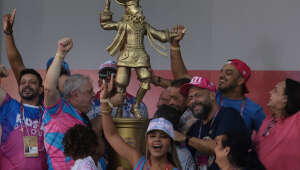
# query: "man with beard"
{"points": [[214, 120], [232, 84], [22, 138], [15, 58], [182, 116]]}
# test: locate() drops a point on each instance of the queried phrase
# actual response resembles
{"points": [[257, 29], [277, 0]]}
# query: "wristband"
{"points": [[108, 102], [174, 48], [8, 32], [187, 139]]}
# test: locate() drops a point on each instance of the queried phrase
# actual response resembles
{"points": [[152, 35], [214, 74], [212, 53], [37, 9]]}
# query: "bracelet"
{"points": [[7, 32], [59, 55], [105, 112], [175, 48], [108, 102]]}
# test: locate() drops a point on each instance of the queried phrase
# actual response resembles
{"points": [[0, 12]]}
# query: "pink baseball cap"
{"points": [[198, 81], [243, 68]]}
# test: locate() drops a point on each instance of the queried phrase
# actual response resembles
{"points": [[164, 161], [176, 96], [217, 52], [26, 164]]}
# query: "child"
{"points": [[80, 143]]}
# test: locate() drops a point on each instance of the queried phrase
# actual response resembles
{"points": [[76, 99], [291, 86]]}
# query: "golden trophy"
{"points": [[129, 43]]}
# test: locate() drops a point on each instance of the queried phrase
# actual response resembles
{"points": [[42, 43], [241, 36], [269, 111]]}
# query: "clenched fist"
{"points": [[64, 45], [8, 22]]}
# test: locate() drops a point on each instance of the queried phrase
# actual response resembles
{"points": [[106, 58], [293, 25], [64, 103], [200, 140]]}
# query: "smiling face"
{"points": [[200, 102], [230, 78], [278, 99], [29, 87], [158, 143]]}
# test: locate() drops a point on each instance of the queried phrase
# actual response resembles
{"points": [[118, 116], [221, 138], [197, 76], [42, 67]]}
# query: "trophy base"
{"points": [[133, 133]]}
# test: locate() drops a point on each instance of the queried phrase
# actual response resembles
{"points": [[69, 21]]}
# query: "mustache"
{"points": [[27, 88], [197, 104]]}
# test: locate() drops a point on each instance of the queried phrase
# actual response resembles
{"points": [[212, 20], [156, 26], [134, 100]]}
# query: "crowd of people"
{"points": [[60, 123]]}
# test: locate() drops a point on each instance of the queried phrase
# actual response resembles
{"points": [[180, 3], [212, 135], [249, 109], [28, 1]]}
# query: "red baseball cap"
{"points": [[198, 81], [243, 68]]}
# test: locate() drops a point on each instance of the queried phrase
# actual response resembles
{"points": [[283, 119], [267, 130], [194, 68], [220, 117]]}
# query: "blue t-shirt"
{"points": [[252, 113], [226, 120]]}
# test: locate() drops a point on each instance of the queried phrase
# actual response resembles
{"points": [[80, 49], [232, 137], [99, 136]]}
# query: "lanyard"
{"points": [[211, 123], [23, 118], [242, 107], [269, 127], [149, 163]]}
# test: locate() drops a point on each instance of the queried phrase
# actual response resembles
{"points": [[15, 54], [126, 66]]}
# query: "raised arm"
{"points": [[14, 57], [3, 73], [106, 21], [52, 96], [110, 131], [177, 65]]}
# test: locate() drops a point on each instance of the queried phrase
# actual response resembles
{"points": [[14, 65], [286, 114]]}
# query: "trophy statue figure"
{"points": [[129, 42]]}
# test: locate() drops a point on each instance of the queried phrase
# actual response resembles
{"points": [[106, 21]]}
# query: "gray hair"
{"points": [[74, 82]]}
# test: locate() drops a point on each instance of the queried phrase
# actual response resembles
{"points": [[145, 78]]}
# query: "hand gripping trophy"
{"points": [[129, 42]]}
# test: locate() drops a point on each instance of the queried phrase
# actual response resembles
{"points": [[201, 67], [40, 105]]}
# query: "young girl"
{"points": [[159, 140], [234, 151], [80, 143]]}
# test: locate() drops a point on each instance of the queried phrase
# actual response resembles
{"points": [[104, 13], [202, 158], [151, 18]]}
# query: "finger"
{"points": [[112, 79], [13, 15]]}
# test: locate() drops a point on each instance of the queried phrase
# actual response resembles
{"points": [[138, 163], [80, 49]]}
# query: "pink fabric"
{"points": [[58, 119], [280, 149]]}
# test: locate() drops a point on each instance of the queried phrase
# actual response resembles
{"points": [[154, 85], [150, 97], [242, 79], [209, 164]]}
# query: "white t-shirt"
{"points": [[85, 164]]}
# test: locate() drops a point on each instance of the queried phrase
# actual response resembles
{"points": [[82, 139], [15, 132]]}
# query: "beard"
{"points": [[229, 88], [30, 96], [204, 112]]}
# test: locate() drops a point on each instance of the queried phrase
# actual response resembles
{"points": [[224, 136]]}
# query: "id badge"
{"points": [[31, 146]]}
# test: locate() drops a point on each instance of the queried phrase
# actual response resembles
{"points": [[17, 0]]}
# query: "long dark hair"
{"points": [[242, 153], [292, 91]]}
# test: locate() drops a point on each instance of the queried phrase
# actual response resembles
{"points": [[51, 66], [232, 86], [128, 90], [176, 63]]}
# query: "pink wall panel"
{"points": [[260, 83]]}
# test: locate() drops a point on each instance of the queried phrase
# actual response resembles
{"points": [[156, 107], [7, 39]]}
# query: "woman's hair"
{"points": [[79, 142], [242, 154], [292, 91]]}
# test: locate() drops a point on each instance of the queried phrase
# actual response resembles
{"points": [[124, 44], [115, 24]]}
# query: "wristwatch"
{"points": [[187, 139]]}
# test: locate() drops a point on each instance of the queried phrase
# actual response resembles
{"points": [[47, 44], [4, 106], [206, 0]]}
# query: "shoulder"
{"points": [[250, 104], [140, 164], [9, 101]]}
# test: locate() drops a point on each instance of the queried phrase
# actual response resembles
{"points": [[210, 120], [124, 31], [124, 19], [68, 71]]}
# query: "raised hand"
{"points": [[116, 99], [64, 45], [8, 22], [179, 30], [3, 71]]}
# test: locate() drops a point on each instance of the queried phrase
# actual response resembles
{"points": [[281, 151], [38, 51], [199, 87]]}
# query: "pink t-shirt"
{"points": [[12, 145], [280, 148], [57, 120]]}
